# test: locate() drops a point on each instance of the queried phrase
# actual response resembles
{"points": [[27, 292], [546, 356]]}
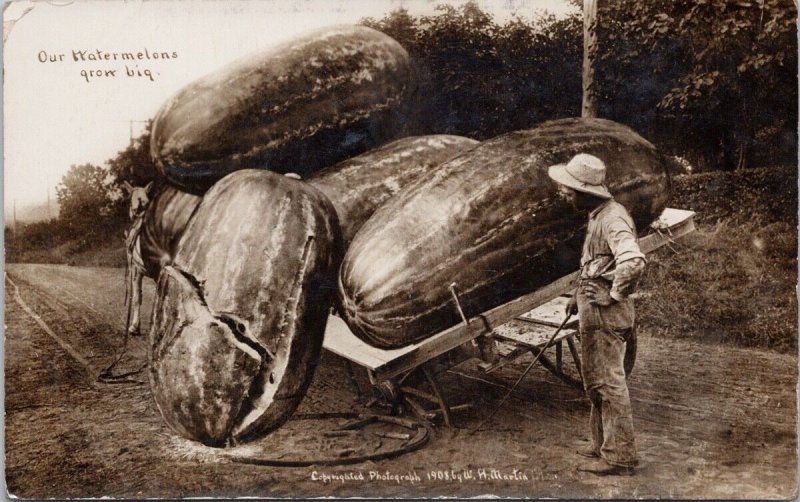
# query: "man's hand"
{"points": [[599, 296], [572, 305]]}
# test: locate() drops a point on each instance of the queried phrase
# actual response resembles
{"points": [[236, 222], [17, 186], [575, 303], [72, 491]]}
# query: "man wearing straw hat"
{"points": [[611, 264]]}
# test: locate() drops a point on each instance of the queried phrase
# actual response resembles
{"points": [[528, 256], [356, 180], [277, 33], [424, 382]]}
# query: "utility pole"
{"points": [[130, 126], [589, 105]]}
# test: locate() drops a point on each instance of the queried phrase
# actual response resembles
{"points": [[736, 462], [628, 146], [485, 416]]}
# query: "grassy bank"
{"points": [[87, 251], [725, 283], [734, 280], [763, 195]]}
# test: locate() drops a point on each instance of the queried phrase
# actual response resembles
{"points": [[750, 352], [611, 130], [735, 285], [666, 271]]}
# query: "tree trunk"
{"points": [[742, 147], [589, 106]]}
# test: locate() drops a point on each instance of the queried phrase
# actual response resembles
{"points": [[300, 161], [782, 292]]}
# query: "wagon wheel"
{"points": [[630, 353], [557, 368]]}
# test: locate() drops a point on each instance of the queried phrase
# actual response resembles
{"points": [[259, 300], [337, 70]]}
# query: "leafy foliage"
{"points": [[717, 77], [764, 195], [132, 165], [712, 80], [84, 197], [481, 79]]}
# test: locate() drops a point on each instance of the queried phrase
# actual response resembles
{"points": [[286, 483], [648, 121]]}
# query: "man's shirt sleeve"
{"points": [[628, 257], [626, 278]]}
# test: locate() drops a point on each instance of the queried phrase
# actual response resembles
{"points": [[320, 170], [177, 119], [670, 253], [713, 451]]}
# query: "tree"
{"points": [[480, 79], [85, 197], [718, 77], [132, 165]]}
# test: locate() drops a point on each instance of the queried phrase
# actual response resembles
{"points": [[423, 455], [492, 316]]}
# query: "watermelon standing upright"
{"points": [[489, 220], [240, 315]]}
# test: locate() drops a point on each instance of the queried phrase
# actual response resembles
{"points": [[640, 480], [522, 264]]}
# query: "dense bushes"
{"points": [[712, 80], [764, 195], [51, 242], [479, 79]]}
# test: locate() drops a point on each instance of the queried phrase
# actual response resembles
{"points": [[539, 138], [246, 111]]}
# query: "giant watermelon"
{"points": [[240, 315], [297, 107], [358, 186], [164, 222], [490, 221]]}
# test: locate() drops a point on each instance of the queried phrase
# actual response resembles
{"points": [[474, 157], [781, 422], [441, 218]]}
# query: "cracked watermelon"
{"points": [[240, 315]]}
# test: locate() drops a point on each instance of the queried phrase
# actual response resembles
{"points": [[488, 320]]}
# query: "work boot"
{"points": [[602, 468]]}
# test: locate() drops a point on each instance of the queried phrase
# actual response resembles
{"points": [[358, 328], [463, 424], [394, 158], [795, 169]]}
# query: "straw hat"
{"points": [[584, 173]]}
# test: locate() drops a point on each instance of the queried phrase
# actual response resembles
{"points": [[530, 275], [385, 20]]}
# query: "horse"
{"points": [[157, 224], [134, 266]]}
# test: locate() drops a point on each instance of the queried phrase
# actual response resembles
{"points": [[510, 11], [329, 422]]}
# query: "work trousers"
{"points": [[604, 331]]}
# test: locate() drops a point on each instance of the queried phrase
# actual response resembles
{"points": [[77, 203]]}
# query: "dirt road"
{"points": [[711, 421]]}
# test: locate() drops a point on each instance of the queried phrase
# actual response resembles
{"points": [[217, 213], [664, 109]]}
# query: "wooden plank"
{"points": [[341, 341], [664, 234], [508, 351], [549, 314], [456, 335], [533, 336], [671, 217]]}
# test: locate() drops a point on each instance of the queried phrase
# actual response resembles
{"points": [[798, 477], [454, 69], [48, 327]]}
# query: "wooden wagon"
{"points": [[542, 311]]}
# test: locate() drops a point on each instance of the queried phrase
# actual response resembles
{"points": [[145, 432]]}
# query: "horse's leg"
{"points": [[128, 295], [136, 300]]}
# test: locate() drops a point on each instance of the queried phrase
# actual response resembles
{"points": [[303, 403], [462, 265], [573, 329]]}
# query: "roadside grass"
{"points": [[36, 255], [733, 281], [110, 254], [725, 284]]}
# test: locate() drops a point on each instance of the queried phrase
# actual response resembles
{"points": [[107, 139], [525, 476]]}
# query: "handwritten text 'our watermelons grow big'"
{"points": [[95, 65]]}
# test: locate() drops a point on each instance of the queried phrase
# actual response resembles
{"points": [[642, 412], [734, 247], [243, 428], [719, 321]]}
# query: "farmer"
{"points": [[611, 264]]}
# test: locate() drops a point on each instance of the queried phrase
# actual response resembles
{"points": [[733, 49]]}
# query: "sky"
{"points": [[57, 112]]}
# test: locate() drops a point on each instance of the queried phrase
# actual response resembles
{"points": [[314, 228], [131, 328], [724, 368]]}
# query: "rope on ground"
{"points": [[422, 433], [107, 376]]}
